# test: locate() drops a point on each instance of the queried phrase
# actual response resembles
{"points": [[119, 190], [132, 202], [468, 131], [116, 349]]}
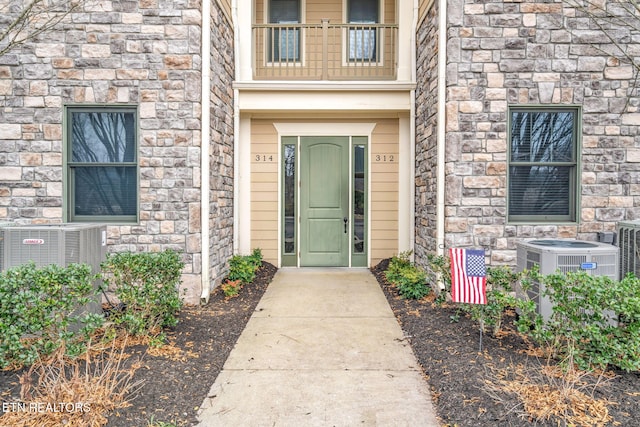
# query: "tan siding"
{"points": [[317, 11], [260, 11], [264, 190], [384, 190], [389, 12]]}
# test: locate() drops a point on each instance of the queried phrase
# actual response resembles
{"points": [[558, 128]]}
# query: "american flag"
{"points": [[468, 276]]}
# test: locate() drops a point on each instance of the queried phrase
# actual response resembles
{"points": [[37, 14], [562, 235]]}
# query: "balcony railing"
{"points": [[325, 51]]}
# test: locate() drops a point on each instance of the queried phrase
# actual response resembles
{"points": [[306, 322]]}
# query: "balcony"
{"points": [[325, 51]]}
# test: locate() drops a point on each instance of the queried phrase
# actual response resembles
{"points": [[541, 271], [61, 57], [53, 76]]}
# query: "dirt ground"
{"points": [[445, 342]]}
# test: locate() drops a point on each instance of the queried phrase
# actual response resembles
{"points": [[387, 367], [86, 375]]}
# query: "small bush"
{"points": [[42, 308], [147, 286], [244, 267], [501, 284], [409, 279], [594, 318], [231, 288]]}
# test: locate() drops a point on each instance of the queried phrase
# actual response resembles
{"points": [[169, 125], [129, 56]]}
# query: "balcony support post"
{"points": [[325, 49]]}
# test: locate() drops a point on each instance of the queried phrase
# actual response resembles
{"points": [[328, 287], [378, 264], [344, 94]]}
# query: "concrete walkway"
{"points": [[322, 349]]}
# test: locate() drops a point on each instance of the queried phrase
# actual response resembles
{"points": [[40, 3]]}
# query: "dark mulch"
{"points": [[446, 343], [447, 350], [173, 389]]}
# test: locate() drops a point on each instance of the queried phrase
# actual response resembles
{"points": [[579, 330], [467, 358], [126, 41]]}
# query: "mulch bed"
{"points": [[178, 378], [445, 342]]}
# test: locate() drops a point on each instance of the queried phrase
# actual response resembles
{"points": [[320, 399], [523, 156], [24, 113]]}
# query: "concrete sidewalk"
{"points": [[322, 349]]}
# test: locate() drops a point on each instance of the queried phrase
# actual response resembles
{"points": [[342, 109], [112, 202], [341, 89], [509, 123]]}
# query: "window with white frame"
{"points": [[543, 164], [101, 164]]}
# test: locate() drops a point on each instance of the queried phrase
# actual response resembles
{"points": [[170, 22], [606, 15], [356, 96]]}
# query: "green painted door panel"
{"points": [[324, 201]]}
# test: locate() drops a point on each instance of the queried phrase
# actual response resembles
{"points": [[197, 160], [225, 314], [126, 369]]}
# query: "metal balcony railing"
{"points": [[354, 51]]}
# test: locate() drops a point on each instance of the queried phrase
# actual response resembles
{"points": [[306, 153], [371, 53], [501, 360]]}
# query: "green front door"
{"points": [[324, 201]]}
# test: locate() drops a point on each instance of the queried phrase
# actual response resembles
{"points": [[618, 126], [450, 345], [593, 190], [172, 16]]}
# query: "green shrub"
{"points": [[244, 267], [438, 271], [41, 310], [147, 285], [501, 283], [594, 319], [408, 278]]}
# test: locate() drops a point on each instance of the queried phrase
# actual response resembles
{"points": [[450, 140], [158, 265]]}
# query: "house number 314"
{"points": [[264, 158], [385, 158]]}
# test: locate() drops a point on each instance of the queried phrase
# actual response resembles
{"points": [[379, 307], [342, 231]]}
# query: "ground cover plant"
{"points": [[410, 280], [242, 271]]}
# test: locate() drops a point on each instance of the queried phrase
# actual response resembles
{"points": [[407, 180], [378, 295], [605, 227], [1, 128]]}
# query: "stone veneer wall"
{"points": [[504, 53], [426, 135], [222, 140], [145, 54]]}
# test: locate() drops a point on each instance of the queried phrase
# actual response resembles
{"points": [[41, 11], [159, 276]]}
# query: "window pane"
{"points": [[540, 190], [284, 11], [542, 136], [358, 199], [289, 198], [286, 45], [101, 191], [362, 43], [363, 11], [103, 137]]}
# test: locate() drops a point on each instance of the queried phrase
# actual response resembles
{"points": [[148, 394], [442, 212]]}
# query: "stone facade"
{"points": [[222, 140], [426, 135], [144, 54], [508, 53]]}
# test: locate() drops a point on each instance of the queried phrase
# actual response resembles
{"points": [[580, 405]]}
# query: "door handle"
{"points": [[346, 220]]}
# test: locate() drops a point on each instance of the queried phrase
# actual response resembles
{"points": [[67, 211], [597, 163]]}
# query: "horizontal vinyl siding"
{"points": [[384, 190], [389, 12], [317, 11], [264, 190]]}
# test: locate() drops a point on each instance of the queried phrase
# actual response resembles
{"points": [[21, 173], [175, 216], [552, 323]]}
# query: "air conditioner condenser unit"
{"points": [[559, 255], [60, 244], [629, 243]]}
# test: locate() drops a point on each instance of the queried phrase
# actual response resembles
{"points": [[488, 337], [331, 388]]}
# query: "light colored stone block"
{"points": [[10, 131]]}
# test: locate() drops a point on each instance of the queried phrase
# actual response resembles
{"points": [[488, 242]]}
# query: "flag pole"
{"points": [[480, 340]]}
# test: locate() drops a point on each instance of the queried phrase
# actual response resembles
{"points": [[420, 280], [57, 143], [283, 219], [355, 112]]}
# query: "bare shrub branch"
{"points": [[22, 24], [75, 392]]}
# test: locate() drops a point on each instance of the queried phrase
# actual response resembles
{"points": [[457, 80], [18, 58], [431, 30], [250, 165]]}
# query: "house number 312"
{"points": [[385, 158]]}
